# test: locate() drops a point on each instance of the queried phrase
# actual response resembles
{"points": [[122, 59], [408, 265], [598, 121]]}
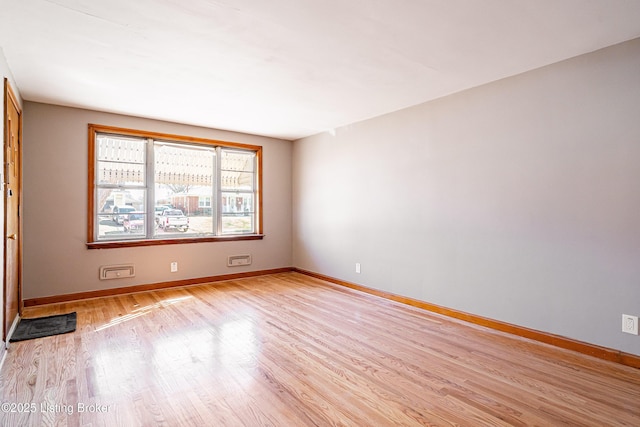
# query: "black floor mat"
{"points": [[28, 329]]}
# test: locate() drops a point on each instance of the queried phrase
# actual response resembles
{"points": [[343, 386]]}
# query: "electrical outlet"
{"points": [[174, 267], [357, 267], [630, 324]]}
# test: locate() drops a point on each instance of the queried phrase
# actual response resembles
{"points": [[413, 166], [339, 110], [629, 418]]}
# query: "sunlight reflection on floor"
{"points": [[220, 355], [141, 312]]}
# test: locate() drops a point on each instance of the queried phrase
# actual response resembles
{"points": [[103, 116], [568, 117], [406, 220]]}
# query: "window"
{"points": [[147, 188], [204, 202]]}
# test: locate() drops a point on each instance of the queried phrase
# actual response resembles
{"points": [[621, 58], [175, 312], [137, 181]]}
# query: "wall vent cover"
{"points": [[238, 260], [123, 271]]}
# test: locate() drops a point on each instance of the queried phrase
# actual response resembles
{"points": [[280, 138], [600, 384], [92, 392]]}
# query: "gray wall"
{"points": [[518, 200], [56, 260]]}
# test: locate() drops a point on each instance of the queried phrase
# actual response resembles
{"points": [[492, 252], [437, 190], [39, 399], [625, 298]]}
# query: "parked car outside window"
{"points": [[134, 222], [121, 212]]}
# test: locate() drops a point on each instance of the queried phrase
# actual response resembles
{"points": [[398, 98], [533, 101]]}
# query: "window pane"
{"points": [[237, 172], [122, 174], [121, 161], [241, 161], [184, 177], [113, 148], [237, 223], [237, 181], [237, 213], [114, 206]]}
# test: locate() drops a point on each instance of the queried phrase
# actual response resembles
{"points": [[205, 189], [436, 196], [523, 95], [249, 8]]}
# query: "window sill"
{"points": [[135, 243]]}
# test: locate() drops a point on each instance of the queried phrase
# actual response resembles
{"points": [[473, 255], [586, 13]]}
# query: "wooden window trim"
{"points": [[93, 244]]}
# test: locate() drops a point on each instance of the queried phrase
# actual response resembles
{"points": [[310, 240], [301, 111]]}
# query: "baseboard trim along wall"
{"points": [[150, 287], [547, 338], [555, 340]]}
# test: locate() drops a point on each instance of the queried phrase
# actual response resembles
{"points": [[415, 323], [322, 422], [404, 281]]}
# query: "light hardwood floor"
{"points": [[290, 350]]}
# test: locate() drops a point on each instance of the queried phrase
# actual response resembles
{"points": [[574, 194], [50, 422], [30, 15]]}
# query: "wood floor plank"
{"points": [[292, 350]]}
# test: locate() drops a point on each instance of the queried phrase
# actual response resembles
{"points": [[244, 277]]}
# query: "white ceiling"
{"points": [[288, 68]]}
